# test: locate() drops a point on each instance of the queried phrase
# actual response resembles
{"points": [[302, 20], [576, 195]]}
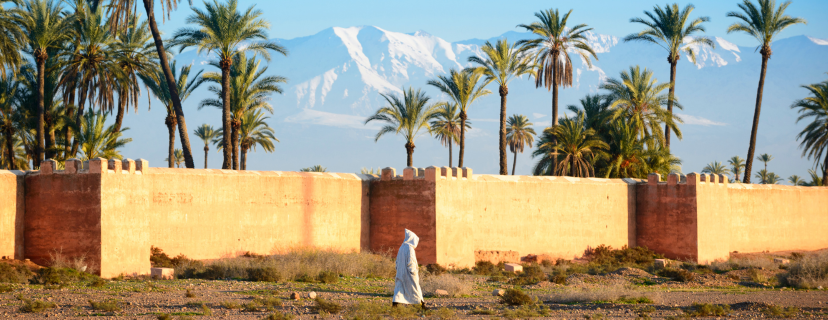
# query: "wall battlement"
{"points": [[112, 211]]}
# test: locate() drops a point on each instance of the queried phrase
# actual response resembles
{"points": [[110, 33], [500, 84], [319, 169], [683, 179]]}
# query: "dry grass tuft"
{"points": [[516, 297], [454, 285], [35, 306], [614, 293], [708, 310], [809, 271], [324, 306], [106, 305]]}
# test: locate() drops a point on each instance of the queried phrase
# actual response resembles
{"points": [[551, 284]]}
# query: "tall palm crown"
{"points": [[407, 117], [765, 158], [98, 140], [519, 134], [637, 96], [250, 90], [446, 125], [576, 146], [314, 168], [176, 159], [501, 63], [736, 166], [763, 23], [669, 27], [206, 133], [595, 109], [463, 88], [45, 27], [11, 38], [185, 85], [796, 180], [255, 131], [816, 181], [716, 167], [815, 135], [10, 118], [136, 55], [626, 154], [223, 30], [551, 51]]}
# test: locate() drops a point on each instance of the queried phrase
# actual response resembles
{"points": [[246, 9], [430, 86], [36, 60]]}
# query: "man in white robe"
{"points": [[407, 283]]}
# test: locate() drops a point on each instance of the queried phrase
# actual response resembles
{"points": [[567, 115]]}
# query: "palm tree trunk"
{"points": [[752, 147], [119, 117], [450, 153], [41, 83], [555, 109], [171, 147], [225, 113], [244, 158], [206, 152], [504, 167], [162, 57], [48, 126], [409, 150], [673, 63], [462, 138], [235, 142], [514, 163], [78, 116], [67, 133], [825, 171], [10, 148]]}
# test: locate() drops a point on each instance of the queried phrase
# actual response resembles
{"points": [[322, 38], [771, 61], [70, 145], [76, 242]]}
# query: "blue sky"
{"points": [[461, 20]]}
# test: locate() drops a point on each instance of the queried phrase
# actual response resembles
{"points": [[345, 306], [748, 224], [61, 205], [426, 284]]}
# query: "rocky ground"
{"points": [[626, 293]]}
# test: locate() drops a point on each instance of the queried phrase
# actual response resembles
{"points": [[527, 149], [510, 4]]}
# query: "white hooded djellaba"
{"points": [[407, 283]]}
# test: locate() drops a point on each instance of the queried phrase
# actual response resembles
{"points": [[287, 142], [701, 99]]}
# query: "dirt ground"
{"points": [[583, 296]]}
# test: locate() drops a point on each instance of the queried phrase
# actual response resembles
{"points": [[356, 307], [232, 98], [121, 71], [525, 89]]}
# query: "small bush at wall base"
{"points": [[327, 277], [679, 275], [325, 306], [532, 274], [35, 306], [780, 312], [60, 276], [159, 259], [264, 274], [516, 297], [14, 273], [807, 272], [708, 310], [435, 269]]}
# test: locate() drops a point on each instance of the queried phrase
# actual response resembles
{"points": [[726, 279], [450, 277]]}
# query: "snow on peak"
{"points": [[724, 44], [821, 42]]}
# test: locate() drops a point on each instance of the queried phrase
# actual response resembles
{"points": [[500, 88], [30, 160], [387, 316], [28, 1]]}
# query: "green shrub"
{"points": [[327, 277], [679, 275], [532, 274], [269, 302], [251, 306], [516, 297], [633, 300], [280, 316], [106, 305], [264, 274], [780, 312], [14, 273], [435, 269], [325, 306], [558, 277], [190, 294], [756, 276], [485, 268], [206, 311], [35, 306], [807, 272], [444, 314], [97, 283], [230, 305], [5, 288], [164, 316], [60, 276], [159, 259], [708, 310]]}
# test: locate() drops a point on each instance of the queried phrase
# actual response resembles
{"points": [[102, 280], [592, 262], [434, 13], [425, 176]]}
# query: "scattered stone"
{"points": [[441, 293], [162, 273], [661, 263], [311, 295], [498, 292], [514, 267], [295, 296]]}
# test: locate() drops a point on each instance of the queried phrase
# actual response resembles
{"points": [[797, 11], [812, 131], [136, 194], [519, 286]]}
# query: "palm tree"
{"points": [[668, 27], [369, 171], [576, 146], [637, 97], [184, 86], [502, 62], [253, 132], [796, 180], [407, 116], [177, 158], [316, 168], [815, 135], [250, 90], [765, 158], [658, 159], [227, 32], [551, 53], [816, 181], [762, 23], [135, 56], [626, 155], [10, 118], [11, 38], [121, 14], [772, 178], [736, 166], [716, 167], [519, 134], [21, 161], [595, 111], [45, 26], [96, 139], [463, 88], [207, 134], [446, 126]]}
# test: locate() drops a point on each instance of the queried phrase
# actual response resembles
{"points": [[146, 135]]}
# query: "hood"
{"points": [[411, 239]]}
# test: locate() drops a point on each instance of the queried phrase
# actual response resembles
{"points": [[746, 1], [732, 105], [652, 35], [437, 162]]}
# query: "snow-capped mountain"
{"points": [[336, 76]]}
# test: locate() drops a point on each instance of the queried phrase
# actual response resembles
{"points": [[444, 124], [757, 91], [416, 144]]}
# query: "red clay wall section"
{"points": [[397, 205], [666, 220], [12, 212]]}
